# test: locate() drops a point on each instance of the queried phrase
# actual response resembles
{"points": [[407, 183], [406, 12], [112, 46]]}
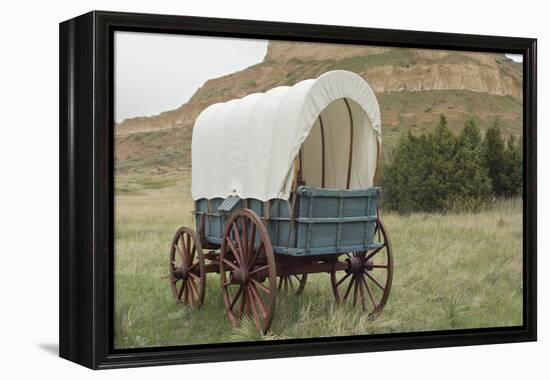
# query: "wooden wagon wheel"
{"points": [[247, 270], [368, 277], [294, 283], [187, 268]]}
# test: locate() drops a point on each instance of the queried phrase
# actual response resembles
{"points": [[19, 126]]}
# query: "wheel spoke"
{"points": [[186, 246], [185, 291], [193, 275], [290, 283], [342, 280], [362, 294], [375, 281], [260, 301], [234, 250], [243, 304], [181, 245], [178, 250], [280, 283], [244, 248], [258, 270], [252, 239], [192, 256], [373, 253], [193, 288], [369, 291], [237, 295], [180, 292], [190, 299], [379, 266], [238, 240], [259, 285], [355, 291], [255, 315], [229, 263], [348, 289], [255, 256]]}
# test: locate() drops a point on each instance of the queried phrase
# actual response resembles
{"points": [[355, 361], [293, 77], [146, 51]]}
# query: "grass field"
{"points": [[452, 271]]}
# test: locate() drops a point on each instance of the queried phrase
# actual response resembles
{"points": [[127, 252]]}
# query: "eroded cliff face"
{"points": [[386, 69], [398, 69], [281, 51]]}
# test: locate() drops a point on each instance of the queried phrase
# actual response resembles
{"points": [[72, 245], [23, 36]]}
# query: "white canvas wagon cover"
{"points": [[247, 147]]}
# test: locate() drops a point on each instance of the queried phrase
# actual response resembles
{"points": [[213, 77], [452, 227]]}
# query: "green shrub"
{"points": [[439, 171]]}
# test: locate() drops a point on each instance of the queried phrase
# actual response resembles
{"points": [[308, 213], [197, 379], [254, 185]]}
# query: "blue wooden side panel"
{"points": [[278, 226], [336, 221], [327, 222]]}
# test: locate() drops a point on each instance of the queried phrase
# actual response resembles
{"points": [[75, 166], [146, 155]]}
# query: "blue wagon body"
{"points": [[327, 221]]}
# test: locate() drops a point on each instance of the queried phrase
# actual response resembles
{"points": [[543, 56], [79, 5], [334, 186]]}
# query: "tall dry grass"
{"points": [[452, 271]]}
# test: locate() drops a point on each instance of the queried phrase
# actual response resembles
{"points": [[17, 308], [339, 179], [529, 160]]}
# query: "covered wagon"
{"points": [[283, 187]]}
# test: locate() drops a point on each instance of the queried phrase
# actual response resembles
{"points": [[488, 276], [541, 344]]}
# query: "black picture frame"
{"points": [[87, 193]]}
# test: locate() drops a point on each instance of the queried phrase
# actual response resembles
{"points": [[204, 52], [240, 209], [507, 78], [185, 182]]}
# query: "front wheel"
{"points": [[187, 268]]}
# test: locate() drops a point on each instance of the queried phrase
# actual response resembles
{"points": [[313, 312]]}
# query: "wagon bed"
{"points": [[328, 221]]}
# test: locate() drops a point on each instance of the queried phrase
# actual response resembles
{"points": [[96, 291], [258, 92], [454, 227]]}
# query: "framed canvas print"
{"points": [[237, 189]]}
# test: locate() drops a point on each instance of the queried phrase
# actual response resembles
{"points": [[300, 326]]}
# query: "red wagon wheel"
{"points": [[368, 277], [294, 283], [247, 270], [187, 268]]}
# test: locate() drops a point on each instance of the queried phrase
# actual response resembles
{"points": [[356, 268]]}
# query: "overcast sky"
{"points": [[515, 57], [160, 72]]}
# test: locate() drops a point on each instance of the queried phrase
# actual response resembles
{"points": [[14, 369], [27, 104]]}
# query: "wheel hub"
{"points": [[239, 276], [355, 265], [182, 273]]}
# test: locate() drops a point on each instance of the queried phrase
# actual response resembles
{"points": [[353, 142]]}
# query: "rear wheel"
{"points": [[187, 268], [294, 283], [368, 277], [247, 270]]}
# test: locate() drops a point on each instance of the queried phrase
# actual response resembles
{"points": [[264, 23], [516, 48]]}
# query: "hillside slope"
{"points": [[413, 87]]}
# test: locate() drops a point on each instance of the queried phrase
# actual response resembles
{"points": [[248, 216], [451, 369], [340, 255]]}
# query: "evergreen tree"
{"points": [[514, 170], [496, 160], [420, 175], [437, 172], [441, 172], [469, 164]]}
